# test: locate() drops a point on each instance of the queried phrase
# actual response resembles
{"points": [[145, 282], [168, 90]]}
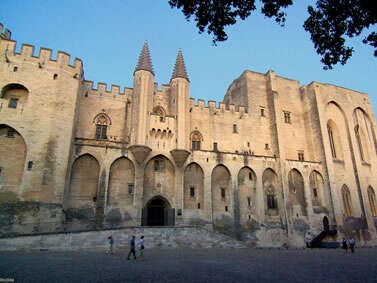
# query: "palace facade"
{"points": [[274, 164]]}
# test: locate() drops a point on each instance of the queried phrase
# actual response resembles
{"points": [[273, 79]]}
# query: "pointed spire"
{"points": [[180, 68], [145, 62]]}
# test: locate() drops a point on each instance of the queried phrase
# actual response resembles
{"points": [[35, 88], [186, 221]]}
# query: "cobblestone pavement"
{"points": [[207, 265]]}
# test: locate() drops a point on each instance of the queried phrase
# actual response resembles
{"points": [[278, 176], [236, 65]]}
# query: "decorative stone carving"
{"points": [[140, 152], [180, 156]]}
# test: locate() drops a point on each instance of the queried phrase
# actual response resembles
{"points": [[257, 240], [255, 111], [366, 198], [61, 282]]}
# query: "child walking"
{"points": [[140, 244]]}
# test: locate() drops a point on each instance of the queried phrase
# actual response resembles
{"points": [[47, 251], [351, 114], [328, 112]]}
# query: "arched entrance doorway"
{"points": [[158, 212]]}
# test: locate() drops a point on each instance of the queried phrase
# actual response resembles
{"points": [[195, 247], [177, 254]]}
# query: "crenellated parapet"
{"points": [[214, 108], [102, 89], [42, 60]]}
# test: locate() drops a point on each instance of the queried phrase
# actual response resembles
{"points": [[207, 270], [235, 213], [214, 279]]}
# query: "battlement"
{"points": [[212, 107], [4, 34], [103, 90], [44, 58]]}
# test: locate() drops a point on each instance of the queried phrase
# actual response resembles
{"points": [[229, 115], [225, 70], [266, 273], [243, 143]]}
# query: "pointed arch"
{"points": [[247, 193], [297, 193], [121, 182], [347, 202], [316, 188], [364, 133], [84, 181], [102, 122], [221, 189], [194, 187], [159, 178], [372, 201], [159, 111], [12, 156], [196, 138], [102, 119], [334, 139]]}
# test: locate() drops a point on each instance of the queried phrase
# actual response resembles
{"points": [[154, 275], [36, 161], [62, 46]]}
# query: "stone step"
{"points": [[167, 237]]}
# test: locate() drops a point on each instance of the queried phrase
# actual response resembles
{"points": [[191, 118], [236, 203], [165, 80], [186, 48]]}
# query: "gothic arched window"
{"points": [[346, 201], [372, 201], [196, 138], [159, 111], [359, 144], [331, 138], [102, 121]]}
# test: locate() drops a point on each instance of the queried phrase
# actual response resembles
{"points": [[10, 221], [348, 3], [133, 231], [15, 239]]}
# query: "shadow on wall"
{"points": [[355, 227]]}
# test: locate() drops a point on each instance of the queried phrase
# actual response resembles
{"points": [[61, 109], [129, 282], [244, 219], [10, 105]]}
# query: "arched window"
{"points": [[335, 140], [331, 138], [159, 111], [15, 94], [359, 144], [102, 121], [196, 138], [346, 201], [372, 201]]}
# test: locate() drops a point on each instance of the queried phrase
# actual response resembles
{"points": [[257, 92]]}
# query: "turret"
{"points": [[180, 93], [142, 96]]}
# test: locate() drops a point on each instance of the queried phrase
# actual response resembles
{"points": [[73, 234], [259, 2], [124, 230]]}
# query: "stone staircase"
{"points": [[156, 237]]}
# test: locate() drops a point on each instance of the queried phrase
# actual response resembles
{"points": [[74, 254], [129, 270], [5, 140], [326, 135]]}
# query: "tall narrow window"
{"points": [[315, 193], [102, 122], [331, 138], [192, 192], [215, 146], [301, 156], [223, 193], [372, 201], [101, 132], [130, 189], [234, 128], [30, 165], [347, 201], [287, 117], [196, 138], [271, 199], [262, 112], [1, 175], [357, 133], [249, 201]]}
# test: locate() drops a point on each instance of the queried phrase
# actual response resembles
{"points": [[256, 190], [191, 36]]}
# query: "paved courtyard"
{"points": [[209, 265]]}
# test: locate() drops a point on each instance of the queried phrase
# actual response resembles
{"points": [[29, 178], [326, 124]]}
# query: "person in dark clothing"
{"points": [[111, 243], [132, 248], [344, 245], [352, 244]]}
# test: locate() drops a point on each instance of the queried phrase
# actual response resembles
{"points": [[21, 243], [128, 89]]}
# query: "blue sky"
{"points": [[108, 37]]}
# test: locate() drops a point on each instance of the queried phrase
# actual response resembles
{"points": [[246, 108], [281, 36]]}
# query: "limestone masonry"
{"points": [[274, 164]]}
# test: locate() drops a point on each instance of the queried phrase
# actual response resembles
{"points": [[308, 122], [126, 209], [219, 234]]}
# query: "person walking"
{"points": [[140, 244], [344, 245], [352, 244], [110, 239], [132, 248]]}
